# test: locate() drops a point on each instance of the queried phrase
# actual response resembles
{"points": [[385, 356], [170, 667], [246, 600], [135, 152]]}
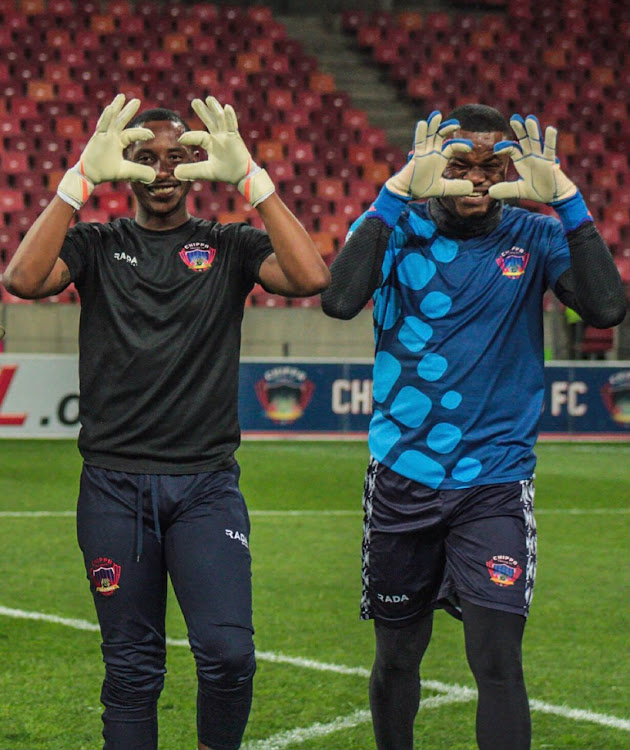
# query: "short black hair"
{"points": [[480, 118], [156, 115]]}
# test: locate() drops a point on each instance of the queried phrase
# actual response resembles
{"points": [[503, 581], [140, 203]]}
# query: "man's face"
{"points": [[166, 195], [482, 167]]}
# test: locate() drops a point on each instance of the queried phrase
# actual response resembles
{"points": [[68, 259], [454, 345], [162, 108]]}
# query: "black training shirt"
{"points": [[159, 341]]}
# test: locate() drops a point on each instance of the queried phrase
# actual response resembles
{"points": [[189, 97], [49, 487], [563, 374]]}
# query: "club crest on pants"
{"points": [[105, 574], [503, 570]]}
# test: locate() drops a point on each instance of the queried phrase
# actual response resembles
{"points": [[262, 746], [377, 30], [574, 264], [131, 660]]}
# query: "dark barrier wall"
{"points": [[327, 397]]}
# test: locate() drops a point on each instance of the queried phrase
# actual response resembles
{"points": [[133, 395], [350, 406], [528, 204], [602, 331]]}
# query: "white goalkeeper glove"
{"points": [[228, 158], [422, 176], [102, 159]]}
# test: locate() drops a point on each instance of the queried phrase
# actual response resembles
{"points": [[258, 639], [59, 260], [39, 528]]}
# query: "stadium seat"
{"points": [[114, 203], [11, 201], [14, 162], [268, 150], [596, 342]]}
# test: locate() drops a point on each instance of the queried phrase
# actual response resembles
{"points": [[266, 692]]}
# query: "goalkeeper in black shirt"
{"points": [[162, 299]]}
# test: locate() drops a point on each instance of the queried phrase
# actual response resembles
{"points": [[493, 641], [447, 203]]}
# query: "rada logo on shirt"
{"points": [[198, 256], [131, 259], [513, 262]]}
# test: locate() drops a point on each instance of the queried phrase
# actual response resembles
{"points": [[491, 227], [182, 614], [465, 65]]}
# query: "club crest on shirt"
{"points": [[503, 570], [513, 262], [198, 256], [284, 393], [616, 397], [105, 574]]}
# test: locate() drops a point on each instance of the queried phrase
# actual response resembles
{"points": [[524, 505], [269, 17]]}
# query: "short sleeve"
{"points": [[253, 247], [75, 249]]}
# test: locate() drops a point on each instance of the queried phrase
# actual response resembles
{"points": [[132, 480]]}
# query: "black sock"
{"points": [[395, 682], [493, 648]]}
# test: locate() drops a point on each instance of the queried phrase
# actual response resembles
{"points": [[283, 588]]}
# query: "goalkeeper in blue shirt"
{"points": [[457, 279]]}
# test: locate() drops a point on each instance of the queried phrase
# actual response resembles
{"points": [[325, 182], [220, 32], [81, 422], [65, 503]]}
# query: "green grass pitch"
{"points": [[304, 498]]}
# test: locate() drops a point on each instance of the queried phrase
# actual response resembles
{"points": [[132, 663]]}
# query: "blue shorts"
{"points": [[425, 548]]}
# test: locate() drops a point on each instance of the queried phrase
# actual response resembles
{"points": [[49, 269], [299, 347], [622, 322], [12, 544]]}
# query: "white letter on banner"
{"points": [[361, 396], [558, 396], [573, 407], [339, 388]]}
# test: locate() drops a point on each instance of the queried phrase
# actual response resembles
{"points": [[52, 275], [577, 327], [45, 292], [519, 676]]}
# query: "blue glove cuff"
{"points": [[387, 207], [572, 211]]}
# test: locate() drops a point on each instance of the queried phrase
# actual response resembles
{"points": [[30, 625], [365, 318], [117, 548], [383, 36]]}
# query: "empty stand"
{"points": [[62, 63]]}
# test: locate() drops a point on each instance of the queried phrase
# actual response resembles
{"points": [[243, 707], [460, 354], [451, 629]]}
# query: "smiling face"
{"points": [[482, 167], [162, 204]]}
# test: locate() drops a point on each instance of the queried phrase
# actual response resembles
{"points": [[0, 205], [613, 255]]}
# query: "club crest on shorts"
{"points": [[503, 570], [105, 574], [198, 256], [513, 262], [284, 393]]}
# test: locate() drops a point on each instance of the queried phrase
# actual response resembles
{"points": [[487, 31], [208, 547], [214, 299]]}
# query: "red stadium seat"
{"points": [[334, 224], [330, 188], [114, 203], [91, 214], [321, 82], [283, 133], [269, 150], [362, 189], [324, 242], [281, 170], [359, 154], [300, 152], [15, 162], [596, 342], [410, 20], [11, 201]]}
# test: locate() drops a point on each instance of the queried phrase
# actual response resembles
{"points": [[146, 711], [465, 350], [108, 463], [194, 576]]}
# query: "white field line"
{"points": [[293, 737], [452, 693], [298, 513]]}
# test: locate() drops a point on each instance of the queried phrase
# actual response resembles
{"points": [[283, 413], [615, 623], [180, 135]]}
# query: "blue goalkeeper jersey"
{"points": [[458, 370]]}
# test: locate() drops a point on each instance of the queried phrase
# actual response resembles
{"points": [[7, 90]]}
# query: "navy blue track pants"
{"points": [[136, 529]]}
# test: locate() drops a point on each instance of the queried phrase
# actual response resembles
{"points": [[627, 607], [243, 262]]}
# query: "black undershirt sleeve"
{"points": [[356, 271], [592, 285]]}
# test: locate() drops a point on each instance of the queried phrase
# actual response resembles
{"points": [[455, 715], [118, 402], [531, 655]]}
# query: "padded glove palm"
{"points": [[541, 178], [228, 158], [422, 177], [102, 159]]}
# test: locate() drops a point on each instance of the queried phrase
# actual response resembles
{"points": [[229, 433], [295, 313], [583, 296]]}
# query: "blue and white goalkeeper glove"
{"points": [[422, 176], [541, 178]]}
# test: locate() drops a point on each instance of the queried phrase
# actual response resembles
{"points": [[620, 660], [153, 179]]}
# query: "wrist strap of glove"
{"points": [[75, 188], [256, 185], [572, 211], [388, 206]]}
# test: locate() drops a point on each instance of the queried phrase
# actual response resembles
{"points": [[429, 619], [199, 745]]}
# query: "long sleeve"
{"points": [[592, 286], [356, 271]]}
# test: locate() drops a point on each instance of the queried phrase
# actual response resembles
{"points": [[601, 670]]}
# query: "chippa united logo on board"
{"points": [[284, 393], [105, 574], [513, 262], [616, 397], [503, 570], [198, 256]]}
